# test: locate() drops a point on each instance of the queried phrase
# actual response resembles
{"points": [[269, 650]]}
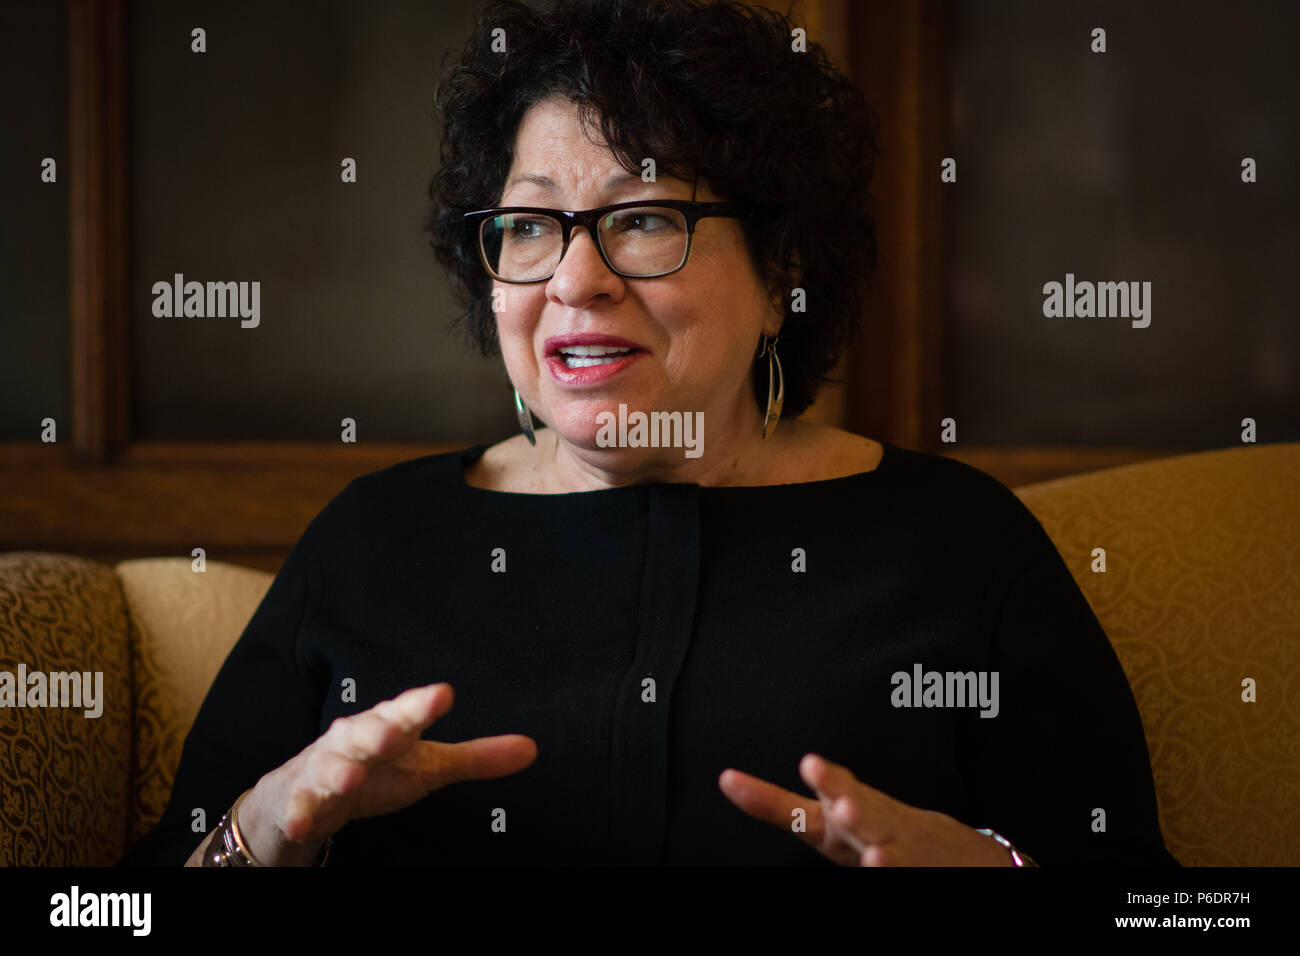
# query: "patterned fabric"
{"points": [[64, 777], [1201, 591], [185, 625]]}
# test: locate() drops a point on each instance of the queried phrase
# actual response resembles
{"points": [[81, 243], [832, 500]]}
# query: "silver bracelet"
{"points": [[1018, 857]]}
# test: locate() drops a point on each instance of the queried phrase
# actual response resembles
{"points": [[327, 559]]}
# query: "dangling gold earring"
{"points": [[525, 418], [774, 376]]}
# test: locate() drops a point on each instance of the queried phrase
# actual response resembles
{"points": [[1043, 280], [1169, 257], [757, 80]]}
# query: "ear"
{"points": [[775, 317], [781, 295], [793, 278]]}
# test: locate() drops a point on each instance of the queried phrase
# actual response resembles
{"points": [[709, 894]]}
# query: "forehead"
{"points": [[555, 153], [553, 122], [552, 143]]}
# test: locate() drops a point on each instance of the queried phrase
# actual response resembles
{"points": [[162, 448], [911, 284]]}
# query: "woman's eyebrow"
{"points": [[618, 178], [538, 180]]}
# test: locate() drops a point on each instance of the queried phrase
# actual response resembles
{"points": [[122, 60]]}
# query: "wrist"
{"points": [[266, 841]]}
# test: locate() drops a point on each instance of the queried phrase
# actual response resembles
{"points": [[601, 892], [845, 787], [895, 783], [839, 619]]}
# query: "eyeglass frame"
{"points": [[692, 211]]}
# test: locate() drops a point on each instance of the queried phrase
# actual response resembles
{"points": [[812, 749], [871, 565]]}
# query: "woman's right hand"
{"points": [[367, 765]]}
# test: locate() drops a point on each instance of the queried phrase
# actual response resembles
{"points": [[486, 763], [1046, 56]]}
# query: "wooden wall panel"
{"points": [[251, 500], [896, 58], [99, 495], [98, 232]]}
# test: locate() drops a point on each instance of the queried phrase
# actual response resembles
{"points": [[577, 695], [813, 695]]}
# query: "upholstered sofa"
{"points": [[1201, 593]]}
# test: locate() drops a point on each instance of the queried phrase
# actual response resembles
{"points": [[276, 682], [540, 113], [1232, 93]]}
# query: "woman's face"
{"points": [[694, 332]]}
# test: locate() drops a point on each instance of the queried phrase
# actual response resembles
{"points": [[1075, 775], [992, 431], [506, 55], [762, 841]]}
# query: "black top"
{"points": [[772, 621]]}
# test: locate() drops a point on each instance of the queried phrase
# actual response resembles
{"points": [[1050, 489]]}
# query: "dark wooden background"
{"points": [[101, 493]]}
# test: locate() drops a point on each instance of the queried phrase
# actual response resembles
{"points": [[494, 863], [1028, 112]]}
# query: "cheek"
{"points": [[713, 340], [519, 311], [710, 361]]}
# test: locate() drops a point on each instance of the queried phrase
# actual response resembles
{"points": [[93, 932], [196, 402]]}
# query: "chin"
{"points": [[578, 420], [577, 425]]}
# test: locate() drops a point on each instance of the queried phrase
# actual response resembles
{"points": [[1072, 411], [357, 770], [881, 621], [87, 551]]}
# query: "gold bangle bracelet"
{"points": [[241, 846], [227, 846]]}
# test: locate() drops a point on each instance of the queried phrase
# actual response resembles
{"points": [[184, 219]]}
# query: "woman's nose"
{"points": [[581, 273]]}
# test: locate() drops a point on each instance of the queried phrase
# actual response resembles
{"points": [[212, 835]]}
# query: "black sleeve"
{"points": [[1067, 741], [261, 710]]}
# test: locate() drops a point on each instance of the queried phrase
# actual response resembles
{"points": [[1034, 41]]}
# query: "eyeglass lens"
{"points": [[639, 241]]}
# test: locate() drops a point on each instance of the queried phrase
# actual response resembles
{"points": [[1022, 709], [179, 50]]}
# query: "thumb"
{"points": [[479, 759]]}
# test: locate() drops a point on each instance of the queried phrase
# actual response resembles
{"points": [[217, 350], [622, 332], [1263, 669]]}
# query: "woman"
{"points": [[682, 624]]}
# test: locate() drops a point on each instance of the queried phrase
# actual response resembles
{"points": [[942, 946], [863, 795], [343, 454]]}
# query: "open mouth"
{"points": [[586, 356]]}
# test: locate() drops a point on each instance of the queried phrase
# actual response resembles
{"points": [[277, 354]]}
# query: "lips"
{"points": [[581, 359]]}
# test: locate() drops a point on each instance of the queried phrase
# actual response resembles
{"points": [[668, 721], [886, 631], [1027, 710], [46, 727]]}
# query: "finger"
{"points": [[877, 854], [479, 759], [828, 779], [417, 708], [843, 821], [775, 805], [368, 737], [852, 807], [391, 725], [835, 780], [772, 804]]}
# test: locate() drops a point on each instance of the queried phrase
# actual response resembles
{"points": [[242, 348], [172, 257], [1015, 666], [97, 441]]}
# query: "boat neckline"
{"points": [[460, 459]]}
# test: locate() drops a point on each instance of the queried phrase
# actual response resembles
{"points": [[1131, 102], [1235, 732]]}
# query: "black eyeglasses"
{"points": [[636, 240]]}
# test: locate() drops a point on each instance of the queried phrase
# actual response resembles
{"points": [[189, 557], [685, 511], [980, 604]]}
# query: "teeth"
{"points": [[592, 350], [584, 356], [582, 361]]}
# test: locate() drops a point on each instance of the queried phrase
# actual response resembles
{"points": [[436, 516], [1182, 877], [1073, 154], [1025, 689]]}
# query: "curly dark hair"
{"points": [[707, 89]]}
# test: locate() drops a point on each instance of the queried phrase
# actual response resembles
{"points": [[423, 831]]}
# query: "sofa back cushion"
{"points": [[1201, 593], [186, 622]]}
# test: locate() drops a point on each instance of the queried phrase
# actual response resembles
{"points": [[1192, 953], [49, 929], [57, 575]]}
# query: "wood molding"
{"points": [[895, 386], [162, 498], [97, 228]]}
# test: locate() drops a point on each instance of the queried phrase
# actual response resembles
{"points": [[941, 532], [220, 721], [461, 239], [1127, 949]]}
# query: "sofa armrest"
{"points": [[64, 776]]}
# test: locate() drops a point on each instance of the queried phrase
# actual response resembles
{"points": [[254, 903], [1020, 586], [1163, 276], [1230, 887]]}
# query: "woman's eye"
{"points": [[528, 228], [643, 222]]}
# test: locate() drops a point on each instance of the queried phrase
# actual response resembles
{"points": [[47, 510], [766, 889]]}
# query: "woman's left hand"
{"points": [[853, 824]]}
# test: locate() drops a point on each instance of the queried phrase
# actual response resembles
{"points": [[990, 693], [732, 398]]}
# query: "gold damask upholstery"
{"points": [[1201, 590], [64, 777], [78, 791], [185, 625]]}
